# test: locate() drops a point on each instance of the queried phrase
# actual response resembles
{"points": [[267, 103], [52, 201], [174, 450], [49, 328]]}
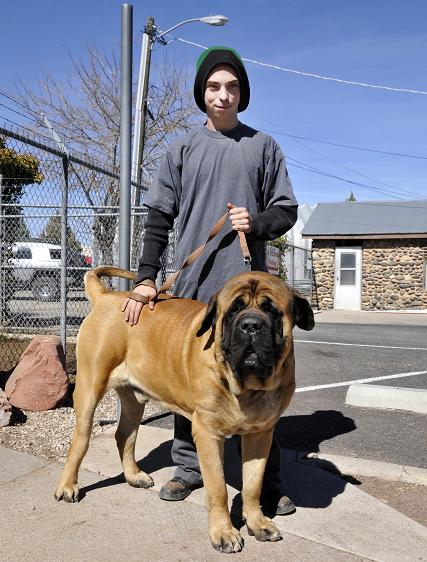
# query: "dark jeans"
{"points": [[184, 456]]}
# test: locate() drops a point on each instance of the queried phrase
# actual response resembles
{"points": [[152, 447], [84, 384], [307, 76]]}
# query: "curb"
{"points": [[364, 467], [388, 397]]}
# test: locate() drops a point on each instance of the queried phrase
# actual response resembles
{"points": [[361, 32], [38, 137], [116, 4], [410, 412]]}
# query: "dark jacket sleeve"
{"points": [[273, 222], [157, 227]]}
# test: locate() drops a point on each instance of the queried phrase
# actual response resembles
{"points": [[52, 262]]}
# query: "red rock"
{"points": [[39, 381], [5, 409]]}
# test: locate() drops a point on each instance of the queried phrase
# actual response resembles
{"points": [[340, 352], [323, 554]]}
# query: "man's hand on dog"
{"points": [[132, 309], [240, 218]]}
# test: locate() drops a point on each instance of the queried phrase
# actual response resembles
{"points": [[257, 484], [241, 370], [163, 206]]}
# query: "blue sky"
{"points": [[372, 41]]}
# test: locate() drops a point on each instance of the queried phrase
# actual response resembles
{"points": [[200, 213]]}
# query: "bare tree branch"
{"points": [[85, 111]]}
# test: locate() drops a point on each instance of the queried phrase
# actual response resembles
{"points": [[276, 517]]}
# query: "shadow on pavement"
{"points": [[305, 433], [112, 481], [304, 481], [155, 460]]}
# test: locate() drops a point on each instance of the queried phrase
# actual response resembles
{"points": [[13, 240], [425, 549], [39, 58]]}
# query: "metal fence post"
{"points": [[64, 265], [2, 269]]}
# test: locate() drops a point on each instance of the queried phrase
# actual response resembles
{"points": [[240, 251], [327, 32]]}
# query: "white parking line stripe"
{"points": [[363, 345], [348, 383]]}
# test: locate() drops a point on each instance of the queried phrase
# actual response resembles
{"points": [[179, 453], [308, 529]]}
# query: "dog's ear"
{"points": [[302, 312], [210, 316]]}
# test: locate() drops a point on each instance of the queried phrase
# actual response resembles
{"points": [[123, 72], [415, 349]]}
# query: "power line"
{"points": [[347, 145], [26, 128], [394, 189], [372, 188], [333, 176], [18, 112], [310, 168], [17, 102], [319, 76]]}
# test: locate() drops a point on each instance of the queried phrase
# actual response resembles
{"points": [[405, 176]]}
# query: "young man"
{"points": [[221, 164]]}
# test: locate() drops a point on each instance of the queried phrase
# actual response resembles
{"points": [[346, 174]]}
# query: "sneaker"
{"points": [[177, 489]]}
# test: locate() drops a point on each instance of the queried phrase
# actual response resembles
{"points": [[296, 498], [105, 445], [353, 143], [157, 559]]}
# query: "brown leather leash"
{"points": [[193, 257]]}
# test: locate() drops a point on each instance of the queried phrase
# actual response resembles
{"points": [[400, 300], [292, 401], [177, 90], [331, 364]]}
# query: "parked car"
{"points": [[37, 266]]}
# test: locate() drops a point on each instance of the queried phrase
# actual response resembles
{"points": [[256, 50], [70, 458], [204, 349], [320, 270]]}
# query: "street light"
{"points": [[211, 20], [149, 37]]}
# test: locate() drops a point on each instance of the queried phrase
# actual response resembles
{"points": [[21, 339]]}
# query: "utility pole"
{"points": [[141, 101], [139, 130]]}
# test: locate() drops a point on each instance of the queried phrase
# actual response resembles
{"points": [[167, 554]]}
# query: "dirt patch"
{"points": [[409, 499]]}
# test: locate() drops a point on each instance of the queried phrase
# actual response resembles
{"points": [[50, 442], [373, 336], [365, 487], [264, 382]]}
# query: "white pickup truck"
{"points": [[36, 266]]}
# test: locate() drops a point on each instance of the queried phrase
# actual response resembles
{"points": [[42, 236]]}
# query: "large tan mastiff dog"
{"points": [[228, 367]]}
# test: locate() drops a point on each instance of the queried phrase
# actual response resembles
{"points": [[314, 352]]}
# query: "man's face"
{"points": [[222, 94]]}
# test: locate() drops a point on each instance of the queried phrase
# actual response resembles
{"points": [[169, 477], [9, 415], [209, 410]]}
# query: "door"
{"points": [[347, 278]]}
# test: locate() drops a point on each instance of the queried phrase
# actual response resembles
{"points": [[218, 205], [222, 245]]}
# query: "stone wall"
{"points": [[323, 256], [393, 274]]}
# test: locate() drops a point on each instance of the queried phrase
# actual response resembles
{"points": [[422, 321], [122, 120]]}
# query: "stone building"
{"points": [[369, 255]]}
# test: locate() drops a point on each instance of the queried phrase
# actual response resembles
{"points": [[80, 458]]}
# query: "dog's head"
{"points": [[252, 318]]}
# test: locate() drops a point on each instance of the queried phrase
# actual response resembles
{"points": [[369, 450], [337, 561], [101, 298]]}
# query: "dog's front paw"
{"points": [[139, 480], [227, 540], [263, 529], [67, 492]]}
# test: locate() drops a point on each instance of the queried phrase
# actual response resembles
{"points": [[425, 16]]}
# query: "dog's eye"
{"points": [[268, 306], [237, 306]]}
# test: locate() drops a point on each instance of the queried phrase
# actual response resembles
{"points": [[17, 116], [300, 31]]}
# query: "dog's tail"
{"points": [[93, 284]]}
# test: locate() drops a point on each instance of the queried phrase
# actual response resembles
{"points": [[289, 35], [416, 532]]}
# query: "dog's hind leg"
{"points": [[86, 398], [131, 412]]}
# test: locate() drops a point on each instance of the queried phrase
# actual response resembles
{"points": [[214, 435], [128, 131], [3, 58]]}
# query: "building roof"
{"points": [[375, 219]]}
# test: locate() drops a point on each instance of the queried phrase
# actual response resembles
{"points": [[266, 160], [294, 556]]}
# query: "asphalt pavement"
{"points": [[377, 345]]}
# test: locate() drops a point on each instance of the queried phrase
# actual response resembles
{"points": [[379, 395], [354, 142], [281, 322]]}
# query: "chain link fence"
{"points": [[59, 217], [298, 267]]}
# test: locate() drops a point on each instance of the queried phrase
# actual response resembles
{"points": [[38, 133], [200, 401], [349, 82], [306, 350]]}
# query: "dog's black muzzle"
{"points": [[253, 345]]}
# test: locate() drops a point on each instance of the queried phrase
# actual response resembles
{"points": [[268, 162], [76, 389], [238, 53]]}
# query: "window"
{"points": [[348, 269], [23, 253], [55, 254]]}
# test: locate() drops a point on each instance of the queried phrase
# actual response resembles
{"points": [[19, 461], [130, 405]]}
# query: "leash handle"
{"points": [[193, 257], [244, 247]]}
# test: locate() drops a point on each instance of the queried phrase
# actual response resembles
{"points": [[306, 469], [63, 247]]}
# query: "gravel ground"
{"points": [[48, 434]]}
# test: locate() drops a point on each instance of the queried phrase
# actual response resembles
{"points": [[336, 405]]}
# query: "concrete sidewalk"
{"points": [[335, 521], [403, 318]]}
